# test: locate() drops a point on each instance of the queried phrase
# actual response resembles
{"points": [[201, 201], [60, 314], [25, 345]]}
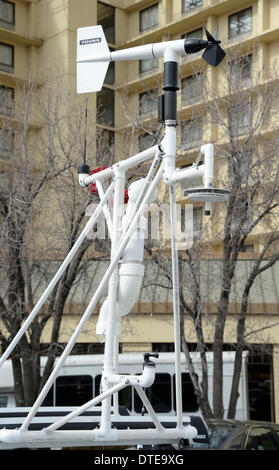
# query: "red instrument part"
{"points": [[92, 187]]}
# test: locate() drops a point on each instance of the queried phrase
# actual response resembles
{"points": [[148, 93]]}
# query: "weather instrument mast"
{"points": [[125, 272]]}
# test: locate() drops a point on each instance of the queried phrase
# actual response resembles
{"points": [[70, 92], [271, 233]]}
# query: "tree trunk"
{"points": [[235, 381], [18, 383]]}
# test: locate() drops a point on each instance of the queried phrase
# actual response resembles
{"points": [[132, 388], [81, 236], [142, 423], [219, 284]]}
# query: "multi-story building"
{"points": [[38, 32]]}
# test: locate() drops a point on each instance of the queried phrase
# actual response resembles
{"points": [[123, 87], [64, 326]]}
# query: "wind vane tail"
{"points": [[91, 42]]}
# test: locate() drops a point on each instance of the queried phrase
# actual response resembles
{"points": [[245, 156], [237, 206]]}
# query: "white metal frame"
{"points": [[162, 169]]}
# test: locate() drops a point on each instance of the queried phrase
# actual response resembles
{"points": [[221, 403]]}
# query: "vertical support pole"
{"points": [[176, 305], [170, 114], [111, 336]]}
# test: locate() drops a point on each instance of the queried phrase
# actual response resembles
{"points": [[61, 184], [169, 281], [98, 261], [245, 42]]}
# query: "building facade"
{"points": [[38, 34]]}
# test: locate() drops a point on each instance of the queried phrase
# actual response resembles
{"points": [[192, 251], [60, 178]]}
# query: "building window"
{"points": [[4, 401], [191, 133], [149, 18], [146, 65], [240, 23], [6, 143], [240, 72], [191, 89], [6, 57], [146, 141], [105, 18], [105, 145], [6, 100], [105, 106], [148, 102], [241, 117], [196, 33], [190, 4], [110, 76], [249, 248], [7, 14]]}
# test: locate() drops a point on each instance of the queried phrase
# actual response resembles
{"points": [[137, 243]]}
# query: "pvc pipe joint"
{"points": [[146, 379]]}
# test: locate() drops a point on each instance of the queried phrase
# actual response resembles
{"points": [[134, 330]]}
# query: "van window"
{"points": [[159, 395], [3, 401], [189, 399], [49, 398], [97, 390], [73, 390]]}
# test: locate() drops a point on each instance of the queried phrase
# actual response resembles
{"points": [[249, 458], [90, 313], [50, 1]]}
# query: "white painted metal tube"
{"points": [[105, 208], [176, 305], [60, 422], [147, 181], [146, 51], [149, 408], [92, 303], [208, 151], [130, 281], [146, 379], [58, 274], [185, 174], [123, 164], [119, 176], [15, 438]]}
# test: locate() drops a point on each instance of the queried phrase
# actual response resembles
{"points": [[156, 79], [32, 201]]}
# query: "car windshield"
{"points": [[218, 433]]}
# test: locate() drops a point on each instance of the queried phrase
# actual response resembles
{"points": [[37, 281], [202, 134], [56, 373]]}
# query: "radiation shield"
{"points": [[91, 42]]}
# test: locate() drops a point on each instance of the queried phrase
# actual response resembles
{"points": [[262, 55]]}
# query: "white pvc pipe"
{"points": [[186, 174], [146, 379], [14, 438], [53, 282], [149, 408], [176, 305], [123, 164], [147, 51], [92, 303], [130, 281], [208, 151], [131, 270], [105, 208], [119, 176]]}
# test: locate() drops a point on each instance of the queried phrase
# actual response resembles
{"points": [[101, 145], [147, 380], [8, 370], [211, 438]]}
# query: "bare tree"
{"points": [[42, 214], [236, 108]]}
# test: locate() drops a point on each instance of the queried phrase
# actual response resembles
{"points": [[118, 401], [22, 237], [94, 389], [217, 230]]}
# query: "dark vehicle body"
{"points": [[242, 435]]}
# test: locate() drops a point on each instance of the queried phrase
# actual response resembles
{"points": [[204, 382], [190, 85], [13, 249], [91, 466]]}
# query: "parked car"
{"points": [[242, 435]]}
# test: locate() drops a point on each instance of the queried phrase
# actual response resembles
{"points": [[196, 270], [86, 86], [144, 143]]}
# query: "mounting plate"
{"points": [[207, 194]]}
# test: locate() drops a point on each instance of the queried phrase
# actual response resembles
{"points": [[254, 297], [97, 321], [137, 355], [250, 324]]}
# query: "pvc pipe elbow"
{"points": [[130, 281], [148, 376], [81, 179]]}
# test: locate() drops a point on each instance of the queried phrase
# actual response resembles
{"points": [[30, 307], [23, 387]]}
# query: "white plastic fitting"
{"points": [[131, 270], [81, 178], [130, 280], [146, 379]]}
